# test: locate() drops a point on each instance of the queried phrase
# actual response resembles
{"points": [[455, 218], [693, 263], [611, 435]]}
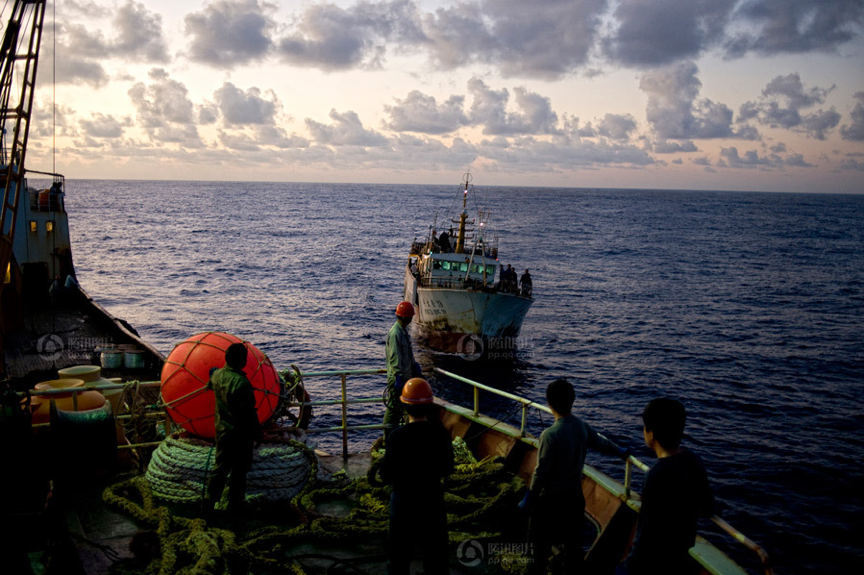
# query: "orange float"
{"points": [[186, 373]]}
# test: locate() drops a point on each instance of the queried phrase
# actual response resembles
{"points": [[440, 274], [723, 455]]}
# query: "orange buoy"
{"points": [[186, 373]]}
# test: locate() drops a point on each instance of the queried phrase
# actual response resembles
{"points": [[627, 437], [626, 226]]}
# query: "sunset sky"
{"points": [[681, 94]]}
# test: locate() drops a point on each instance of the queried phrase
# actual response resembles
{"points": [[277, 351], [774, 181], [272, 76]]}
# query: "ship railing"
{"points": [[629, 464]]}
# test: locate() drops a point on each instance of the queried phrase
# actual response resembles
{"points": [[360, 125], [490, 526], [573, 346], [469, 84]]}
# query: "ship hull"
{"points": [[467, 321]]}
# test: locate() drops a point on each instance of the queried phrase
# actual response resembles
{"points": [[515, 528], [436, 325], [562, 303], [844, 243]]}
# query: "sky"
{"points": [[762, 95]]}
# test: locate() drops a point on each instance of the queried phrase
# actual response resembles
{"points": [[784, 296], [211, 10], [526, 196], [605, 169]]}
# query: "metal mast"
{"points": [[19, 54]]}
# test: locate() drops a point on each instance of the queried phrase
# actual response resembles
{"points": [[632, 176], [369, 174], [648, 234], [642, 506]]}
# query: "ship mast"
{"points": [[460, 242], [19, 55]]}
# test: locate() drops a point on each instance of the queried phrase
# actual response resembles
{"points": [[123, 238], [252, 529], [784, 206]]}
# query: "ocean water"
{"points": [[748, 307]]}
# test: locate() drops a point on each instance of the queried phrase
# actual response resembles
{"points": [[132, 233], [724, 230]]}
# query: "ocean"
{"points": [[748, 307]]}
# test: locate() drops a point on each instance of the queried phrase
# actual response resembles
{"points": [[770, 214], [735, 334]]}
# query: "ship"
{"points": [[466, 301], [115, 521]]}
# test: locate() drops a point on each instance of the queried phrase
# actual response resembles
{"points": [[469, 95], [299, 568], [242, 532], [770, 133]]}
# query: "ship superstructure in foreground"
{"points": [[451, 279]]}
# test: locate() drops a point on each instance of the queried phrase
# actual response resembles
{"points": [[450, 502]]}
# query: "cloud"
{"points": [[489, 109], [421, 113], [548, 40], [139, 34], [238, 107], [674, 111], [346, 130], [164, 110], [751, 159], [616, 126], [103, 126], [333, 38], [227, 33], [667, 147], [793, 26], [665, 31], [855, 130], [781, 104]]}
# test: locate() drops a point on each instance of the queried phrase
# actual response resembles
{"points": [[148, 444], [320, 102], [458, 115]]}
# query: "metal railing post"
{"points": [[524, 419], [476, 401], [628, 471], [344, 417]]}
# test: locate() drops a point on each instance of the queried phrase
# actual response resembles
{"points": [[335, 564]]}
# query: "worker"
{"points": [[237, 431], [400, 366], [418, 456]]}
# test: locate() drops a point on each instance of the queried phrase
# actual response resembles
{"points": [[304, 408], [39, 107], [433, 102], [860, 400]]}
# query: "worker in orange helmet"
{"points": [[400, 366], [418, 456]]}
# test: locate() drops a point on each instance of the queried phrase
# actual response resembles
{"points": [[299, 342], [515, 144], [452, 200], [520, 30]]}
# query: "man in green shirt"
{"points": [[400, 365], [236, 430]]}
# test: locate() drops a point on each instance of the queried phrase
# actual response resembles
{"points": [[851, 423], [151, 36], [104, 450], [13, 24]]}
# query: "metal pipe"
{"points": [[747, 542]]}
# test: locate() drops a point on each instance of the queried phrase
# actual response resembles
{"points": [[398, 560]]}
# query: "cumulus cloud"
{"points": [[781, 104], [346, 130], [675, 112], [227, 33], [665, 31], [616, 126], [164, 109], [752, 159], [855, 130], [103, 126], [667, 147], [793, 26], [333, 38], [547, 40], [239, 107], [489, 109], [139, 34], [421, 113]]}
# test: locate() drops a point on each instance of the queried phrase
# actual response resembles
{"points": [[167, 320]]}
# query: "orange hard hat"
{"points": [[416, 391], [405, 309]]}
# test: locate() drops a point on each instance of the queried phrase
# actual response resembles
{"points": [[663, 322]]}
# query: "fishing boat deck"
{"points": [[54, 337]]}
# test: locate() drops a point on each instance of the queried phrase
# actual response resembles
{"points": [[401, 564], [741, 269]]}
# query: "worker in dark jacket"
{"points": [[417, 457], [676, 493], [236, 430], [556, 502], [400, 365]]}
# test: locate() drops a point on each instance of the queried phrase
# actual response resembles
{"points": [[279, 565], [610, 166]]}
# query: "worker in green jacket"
{"points": [[237, 430], [400, 366]]}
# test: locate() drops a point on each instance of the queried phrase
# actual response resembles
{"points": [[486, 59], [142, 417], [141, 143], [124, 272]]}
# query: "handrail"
{"points": [[631, 461]]}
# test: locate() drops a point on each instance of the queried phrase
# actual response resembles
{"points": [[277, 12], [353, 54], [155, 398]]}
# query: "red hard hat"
{"points": [[405, 309], [416, 391]]}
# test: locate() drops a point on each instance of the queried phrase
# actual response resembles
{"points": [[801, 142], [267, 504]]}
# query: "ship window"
{"points": [[436, 265], [33, 226], [49, 226], [447, 265], [490, 270], [463, 267]]}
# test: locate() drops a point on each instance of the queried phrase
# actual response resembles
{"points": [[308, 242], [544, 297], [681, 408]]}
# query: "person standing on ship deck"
{"points": [[237, 431], [526, 284], [400, 366], [555, 501], [676, 493], [418, 456]]}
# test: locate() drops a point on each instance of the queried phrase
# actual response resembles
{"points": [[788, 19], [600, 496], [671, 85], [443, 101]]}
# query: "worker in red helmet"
{"points": [[400, 366], [418, 456]]}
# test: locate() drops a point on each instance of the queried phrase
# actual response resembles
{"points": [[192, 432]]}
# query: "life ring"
{"points": [[296, 393]]}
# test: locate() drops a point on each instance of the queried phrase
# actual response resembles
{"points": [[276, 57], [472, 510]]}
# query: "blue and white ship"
{"points": [[454, 279]]}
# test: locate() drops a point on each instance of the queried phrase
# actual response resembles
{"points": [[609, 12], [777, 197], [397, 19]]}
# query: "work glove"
{"points": [[624, 452]]}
